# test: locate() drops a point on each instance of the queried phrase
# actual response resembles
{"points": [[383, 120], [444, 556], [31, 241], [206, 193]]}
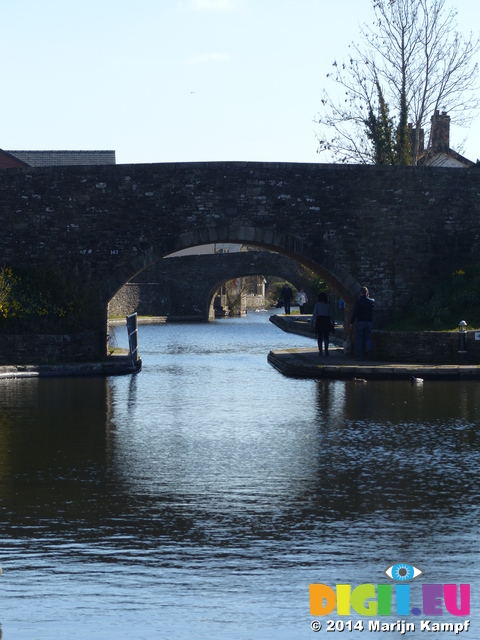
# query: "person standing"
{"points": [[302, 300], [287, 295], [322, 321], [362, 315]]}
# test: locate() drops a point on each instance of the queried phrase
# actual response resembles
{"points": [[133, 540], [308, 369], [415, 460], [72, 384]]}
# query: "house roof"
{"points": [[9, 161], [63, 158], [447, 158], [438, 152]]}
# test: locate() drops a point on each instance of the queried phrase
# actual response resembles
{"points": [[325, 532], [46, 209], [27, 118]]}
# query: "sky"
{"points": [[179, 80]]}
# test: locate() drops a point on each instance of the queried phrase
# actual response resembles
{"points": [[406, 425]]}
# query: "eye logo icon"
{"points": [[403, 572]]}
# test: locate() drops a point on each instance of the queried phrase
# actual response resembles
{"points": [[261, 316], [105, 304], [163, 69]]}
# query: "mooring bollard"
{"points": [[462, 342]]}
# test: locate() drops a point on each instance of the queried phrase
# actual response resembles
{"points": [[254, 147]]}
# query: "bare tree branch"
{"points": [[415, 55]]}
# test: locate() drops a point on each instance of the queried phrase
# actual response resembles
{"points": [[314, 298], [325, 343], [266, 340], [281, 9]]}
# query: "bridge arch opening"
{"points": [[334, 274], [257, 283], [259, 241]]}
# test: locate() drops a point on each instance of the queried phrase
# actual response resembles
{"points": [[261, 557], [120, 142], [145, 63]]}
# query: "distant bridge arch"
{"points": [[185, 285], [284, 244]]}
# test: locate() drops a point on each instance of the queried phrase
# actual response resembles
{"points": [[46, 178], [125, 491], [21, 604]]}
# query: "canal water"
{"points": [[200, 498]]}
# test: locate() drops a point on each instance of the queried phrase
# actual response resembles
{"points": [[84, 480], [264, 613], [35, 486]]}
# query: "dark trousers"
{"points": [[322, 331], [287, 306], [363, 338]]}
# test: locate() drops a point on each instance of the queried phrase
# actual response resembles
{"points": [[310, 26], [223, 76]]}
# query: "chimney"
{"points": [[440, 132], [421, 139]]}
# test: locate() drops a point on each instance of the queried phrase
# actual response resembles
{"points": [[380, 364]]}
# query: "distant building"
{"points": [[8, 161], [23, 159], [438, 153]]}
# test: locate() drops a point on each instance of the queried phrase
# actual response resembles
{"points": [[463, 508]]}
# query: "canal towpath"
{"points": [[307, 362]]}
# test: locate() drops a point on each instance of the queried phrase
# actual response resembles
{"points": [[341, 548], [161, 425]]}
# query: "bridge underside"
{"points": [[184, 286]]}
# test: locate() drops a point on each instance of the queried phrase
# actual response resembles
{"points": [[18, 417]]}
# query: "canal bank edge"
{"points": [[412, 363], [307, 363], [420, 347], [112, 366]]}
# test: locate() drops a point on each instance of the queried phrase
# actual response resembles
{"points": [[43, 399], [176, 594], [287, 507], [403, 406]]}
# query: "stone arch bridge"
{"points": [[399, 230]]}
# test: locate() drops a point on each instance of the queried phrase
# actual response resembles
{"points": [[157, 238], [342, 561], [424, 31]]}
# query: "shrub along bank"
{"points": [[46, 299], [456, 298]]}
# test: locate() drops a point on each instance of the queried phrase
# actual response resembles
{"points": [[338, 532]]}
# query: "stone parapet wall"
{"points": [[30, 348]]}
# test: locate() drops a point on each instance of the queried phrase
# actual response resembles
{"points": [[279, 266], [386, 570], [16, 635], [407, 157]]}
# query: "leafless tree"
{"points": [[414, 59]]}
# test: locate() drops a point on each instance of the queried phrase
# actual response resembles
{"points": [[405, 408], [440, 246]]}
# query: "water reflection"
{"points": [[404, 449], [209, 483]]}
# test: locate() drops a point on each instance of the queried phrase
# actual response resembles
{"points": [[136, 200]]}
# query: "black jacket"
{"points": [[363, 310]]}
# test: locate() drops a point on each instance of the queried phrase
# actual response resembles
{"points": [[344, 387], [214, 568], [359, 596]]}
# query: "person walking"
{"points": [[287, 295], [362, 315], [302, 300], [322, 321]]}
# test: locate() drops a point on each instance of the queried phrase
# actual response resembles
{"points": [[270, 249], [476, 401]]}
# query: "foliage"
{"points": [[45, 299], [411, 60], [380, 131], [403, 146], [275, 289], [6, 279], [317, 285], [457, 298]]}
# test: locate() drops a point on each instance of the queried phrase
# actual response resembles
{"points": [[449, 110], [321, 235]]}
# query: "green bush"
{"points": [[45, 299], [456, 298]]}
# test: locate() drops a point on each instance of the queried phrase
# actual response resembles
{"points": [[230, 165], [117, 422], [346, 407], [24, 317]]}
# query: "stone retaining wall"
{"points": [[127, 301], [424, 347], [29, 348], [411, 347], [255, 302]]}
